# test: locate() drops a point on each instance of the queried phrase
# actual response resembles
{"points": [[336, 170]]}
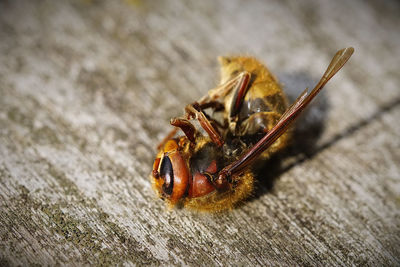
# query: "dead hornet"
{"points": [[249, 122]]}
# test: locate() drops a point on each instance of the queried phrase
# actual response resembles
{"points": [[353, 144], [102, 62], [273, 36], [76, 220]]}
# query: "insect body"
{"points": [[248, 122]]}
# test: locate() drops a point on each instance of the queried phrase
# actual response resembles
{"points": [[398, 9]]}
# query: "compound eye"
{"points": [[167, 174]]}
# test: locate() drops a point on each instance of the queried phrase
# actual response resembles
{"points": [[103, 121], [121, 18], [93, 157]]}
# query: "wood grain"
{"points": [[87, 89]]}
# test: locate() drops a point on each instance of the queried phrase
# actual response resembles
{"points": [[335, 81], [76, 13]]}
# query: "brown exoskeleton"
{"points": [[213, 172]]}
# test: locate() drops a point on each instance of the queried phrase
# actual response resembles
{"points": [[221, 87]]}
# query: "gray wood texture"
{"points": [[87, 89]]}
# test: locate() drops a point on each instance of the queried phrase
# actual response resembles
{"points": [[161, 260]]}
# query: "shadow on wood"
{"points": [[303, 147], [305, 132]]}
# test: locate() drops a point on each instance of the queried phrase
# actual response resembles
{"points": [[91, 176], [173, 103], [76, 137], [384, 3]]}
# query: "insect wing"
{"points": [[340, 58]]}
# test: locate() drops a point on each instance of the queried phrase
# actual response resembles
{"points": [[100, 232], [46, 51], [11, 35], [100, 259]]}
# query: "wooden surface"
{"points": [[87, 89]]}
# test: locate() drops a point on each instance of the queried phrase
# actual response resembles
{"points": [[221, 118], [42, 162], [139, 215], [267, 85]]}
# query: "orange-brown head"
{"points": [[181, 171], [170, 176]]}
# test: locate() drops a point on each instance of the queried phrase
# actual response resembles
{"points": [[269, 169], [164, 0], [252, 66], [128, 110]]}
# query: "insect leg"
{"points": [[240, 91], [194, 111], [287, 118], [215, 105], [186, 127], [224, 89]]}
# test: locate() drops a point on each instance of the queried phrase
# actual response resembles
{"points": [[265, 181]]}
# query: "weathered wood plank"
{"points": [[87, 89]]}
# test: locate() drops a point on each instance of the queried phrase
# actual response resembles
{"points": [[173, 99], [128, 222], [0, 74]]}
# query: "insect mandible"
{"points": [[248, 122]]}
